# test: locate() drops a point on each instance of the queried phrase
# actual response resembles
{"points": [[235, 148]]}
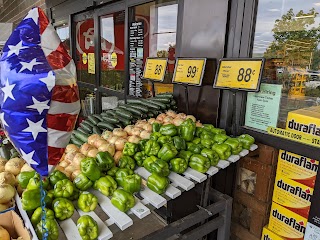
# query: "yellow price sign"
{"points": [[155, 69], [295, 136], [243, 74], [189, 71]]}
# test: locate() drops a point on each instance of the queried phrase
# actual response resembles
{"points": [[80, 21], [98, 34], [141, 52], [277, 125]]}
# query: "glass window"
{"points": [[152, 33], [287, 34], [112, 51], [63, 33]]}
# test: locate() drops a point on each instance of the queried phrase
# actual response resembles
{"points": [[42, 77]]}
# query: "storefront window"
{"points": [[63, 33], [112, 51], [152, 33], [287, 34]]}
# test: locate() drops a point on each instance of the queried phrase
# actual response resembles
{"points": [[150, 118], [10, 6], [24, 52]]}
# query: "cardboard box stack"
{"points": [[294, 184]]}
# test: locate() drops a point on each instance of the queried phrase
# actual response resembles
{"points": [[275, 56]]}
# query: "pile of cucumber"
{"points": [[123, 115]]}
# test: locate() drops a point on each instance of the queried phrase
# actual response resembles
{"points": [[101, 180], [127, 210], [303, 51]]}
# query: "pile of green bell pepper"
{"points": [[167, 152], [152, 148], [51, 226], [122, 200], [87, 202], [106, 185], [82, 182], [112, 171], [235, 144], [156, 127], [179, 143], [187, 130], [63, 208], [186, 155], [165, 140], [56, 176], [89, 167], [31, 199], [129, 181], [104, 161], [36, 216], [130, 149], [140, 157], [157, 183], [178, 165], [194, 148], [127, 162], [35, 182], [24, 177], [87, 228], [63, 188], [223, 150], [199, 163], [155, 136], [246, 141], [220, 138], [156, 165], [169, 130], [211, 155]]}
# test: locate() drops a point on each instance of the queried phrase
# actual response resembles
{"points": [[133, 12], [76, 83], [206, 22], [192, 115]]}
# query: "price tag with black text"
{"points": [[155, 69], [240, 74], [189, 71]]}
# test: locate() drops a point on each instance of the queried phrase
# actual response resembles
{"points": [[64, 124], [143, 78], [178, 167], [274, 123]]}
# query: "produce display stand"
{"points": [[117, 225]]}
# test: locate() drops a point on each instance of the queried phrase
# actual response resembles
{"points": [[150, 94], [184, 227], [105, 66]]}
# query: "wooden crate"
{"points": [[256, 178], [250, 213]]}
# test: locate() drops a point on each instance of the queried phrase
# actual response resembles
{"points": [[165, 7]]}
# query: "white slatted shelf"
{"points": [[180, 181], [140, 210], [212, 171], [223, 164], [153, 198], [233, 158], [253, 147], [70, 229], [195, 175]]}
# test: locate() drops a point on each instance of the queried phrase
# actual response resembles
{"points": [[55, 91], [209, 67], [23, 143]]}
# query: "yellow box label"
{"points": [[91, 63], [269, 235], [297, 167], [155, 69], [239, 74], [286, 223], [291, 194], [189, 71]]}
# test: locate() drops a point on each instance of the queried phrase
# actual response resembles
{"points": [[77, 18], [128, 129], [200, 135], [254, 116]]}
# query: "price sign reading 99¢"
{"points": [[189, 71], [241, 74], [155, 69]]}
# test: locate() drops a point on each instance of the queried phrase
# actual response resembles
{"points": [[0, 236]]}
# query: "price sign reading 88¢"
{"points": [[155, 69], [241, 74]]}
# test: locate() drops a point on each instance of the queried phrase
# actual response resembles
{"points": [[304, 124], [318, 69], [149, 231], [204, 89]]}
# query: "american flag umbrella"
{"points": [[39, 94]]}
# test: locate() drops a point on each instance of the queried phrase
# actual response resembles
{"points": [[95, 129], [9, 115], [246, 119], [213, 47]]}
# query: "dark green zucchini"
{"points": [[139, 107], [111, 120], [124, 121], [88, 123], [83, 130], [81, 136], [105, 125], [160, 104], [86, 127], [150, 105], [136, 101], [124, 113], [76, 141], [99, 117], [96, 130], [163, 100], [132, 110], [94, 120]]}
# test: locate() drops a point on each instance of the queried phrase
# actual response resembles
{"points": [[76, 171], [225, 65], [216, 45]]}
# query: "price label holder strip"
{"points": [[225, 71], [191, 74], [158, 69]]}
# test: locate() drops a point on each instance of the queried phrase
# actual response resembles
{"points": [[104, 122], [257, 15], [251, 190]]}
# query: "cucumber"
{"points": [[160, 104], [132, 110], [136, 101], [96, 130], [81, 136], [83, 130], [88, 123], [173, 102], [119, 125], [169, 95], [124, 121], [76, 141], [105, 125], [139, 107], [150, 105], [111, 120], [163, 100], [99, 117], [86, 127], [93, 120], [106, 114], [124, 113]]}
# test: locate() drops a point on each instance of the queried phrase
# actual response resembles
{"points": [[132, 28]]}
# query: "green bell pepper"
{"points": [[178, 165], [63, 188], [199, 163], [179, 143], [186, 155], [50, 196], [157, 183], [211, 155], [154, 136], [235, 144], [89, 167], [187, 130], [130, 149], [169, 130], [142, 144], [31, 199], [63, 208], [164, 139], [127, 162], [106, 185], [223, 150], [211, 128], [24, 177], [35, 182], [51, 226], [82, 182], [207, 143], [129, 181], [75, 195], [152, 148], [36, 216], [104, 161], [122, 200], [56, 176], [246, 141], [206, 135], [199, 130], [167, 152], [87, 228], [140, 157], [196, 140], [112, 171], [220, 138], [156, 127], [87, 202], [155, 165], [194, 148]]}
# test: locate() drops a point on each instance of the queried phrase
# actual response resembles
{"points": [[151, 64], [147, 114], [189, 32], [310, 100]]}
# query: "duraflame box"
{"points": [[296, 167], [292, 195], [286, 223], [269, 235]]}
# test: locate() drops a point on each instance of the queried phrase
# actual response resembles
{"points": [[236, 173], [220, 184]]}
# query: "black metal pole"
{"points": [[187, 98], [153, 90]]}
